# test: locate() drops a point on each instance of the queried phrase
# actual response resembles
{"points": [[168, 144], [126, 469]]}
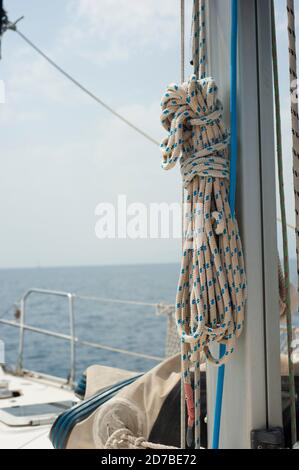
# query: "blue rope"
{"points": [[232, 196]]}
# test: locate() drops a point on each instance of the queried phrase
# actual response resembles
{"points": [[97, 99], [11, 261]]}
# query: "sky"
{"points": [[62, 154]]}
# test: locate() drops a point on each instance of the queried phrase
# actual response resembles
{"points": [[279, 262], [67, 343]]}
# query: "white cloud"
{"points": [[120, 27]]}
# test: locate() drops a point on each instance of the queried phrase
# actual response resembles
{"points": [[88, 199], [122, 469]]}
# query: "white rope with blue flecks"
{"points": [[212, 284], [212, 290]]}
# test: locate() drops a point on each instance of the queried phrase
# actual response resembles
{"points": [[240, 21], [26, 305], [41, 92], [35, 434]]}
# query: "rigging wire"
{"points": [[12, 27]]}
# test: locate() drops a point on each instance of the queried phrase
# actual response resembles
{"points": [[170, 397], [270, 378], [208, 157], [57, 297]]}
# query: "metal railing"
{"points": [[71, 337], [74, 340]]}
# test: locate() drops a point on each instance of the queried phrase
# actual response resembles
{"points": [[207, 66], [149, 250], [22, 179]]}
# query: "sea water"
{"points": [[124, 326], [133, 327]]}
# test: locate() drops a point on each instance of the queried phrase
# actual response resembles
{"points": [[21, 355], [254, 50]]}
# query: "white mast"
{"points": [[252, 388]]}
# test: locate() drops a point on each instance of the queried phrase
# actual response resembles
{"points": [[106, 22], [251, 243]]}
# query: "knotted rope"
{"points": [[212, 286], [125, 439], [212, 290]]}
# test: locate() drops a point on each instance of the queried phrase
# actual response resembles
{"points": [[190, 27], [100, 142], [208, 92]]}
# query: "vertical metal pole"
{"points": [[269, 212], [21, 337], [72, 374], [252, 390]]}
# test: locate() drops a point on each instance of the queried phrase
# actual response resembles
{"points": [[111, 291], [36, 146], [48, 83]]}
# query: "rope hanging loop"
{"points": [[212, 288]]}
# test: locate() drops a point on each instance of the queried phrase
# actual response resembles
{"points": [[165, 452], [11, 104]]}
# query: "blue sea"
{"points": [[136, 328]]}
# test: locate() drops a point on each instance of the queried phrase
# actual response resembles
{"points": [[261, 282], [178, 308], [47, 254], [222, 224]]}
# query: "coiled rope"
{"points": [[211, 292]]}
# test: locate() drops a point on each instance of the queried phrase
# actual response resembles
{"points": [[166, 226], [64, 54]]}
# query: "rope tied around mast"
{"points": [[212, 290], [212, 287], [192, 115]]}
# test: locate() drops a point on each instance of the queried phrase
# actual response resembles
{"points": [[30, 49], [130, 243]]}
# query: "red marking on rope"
{"points": [[190, 404]]}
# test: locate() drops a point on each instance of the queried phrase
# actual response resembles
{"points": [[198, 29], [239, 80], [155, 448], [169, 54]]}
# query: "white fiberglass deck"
{"points": [[34, 390]]}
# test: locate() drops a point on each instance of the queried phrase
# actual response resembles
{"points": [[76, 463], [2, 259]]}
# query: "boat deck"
{"points": [[34, 389]]}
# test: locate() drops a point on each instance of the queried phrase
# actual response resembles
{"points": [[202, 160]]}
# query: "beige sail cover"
{"points": [[136, 408], [99, 378]]}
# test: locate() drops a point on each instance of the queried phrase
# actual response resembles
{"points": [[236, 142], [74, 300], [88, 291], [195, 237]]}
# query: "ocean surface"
{"points": [[133, 327], [136, 328]]}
